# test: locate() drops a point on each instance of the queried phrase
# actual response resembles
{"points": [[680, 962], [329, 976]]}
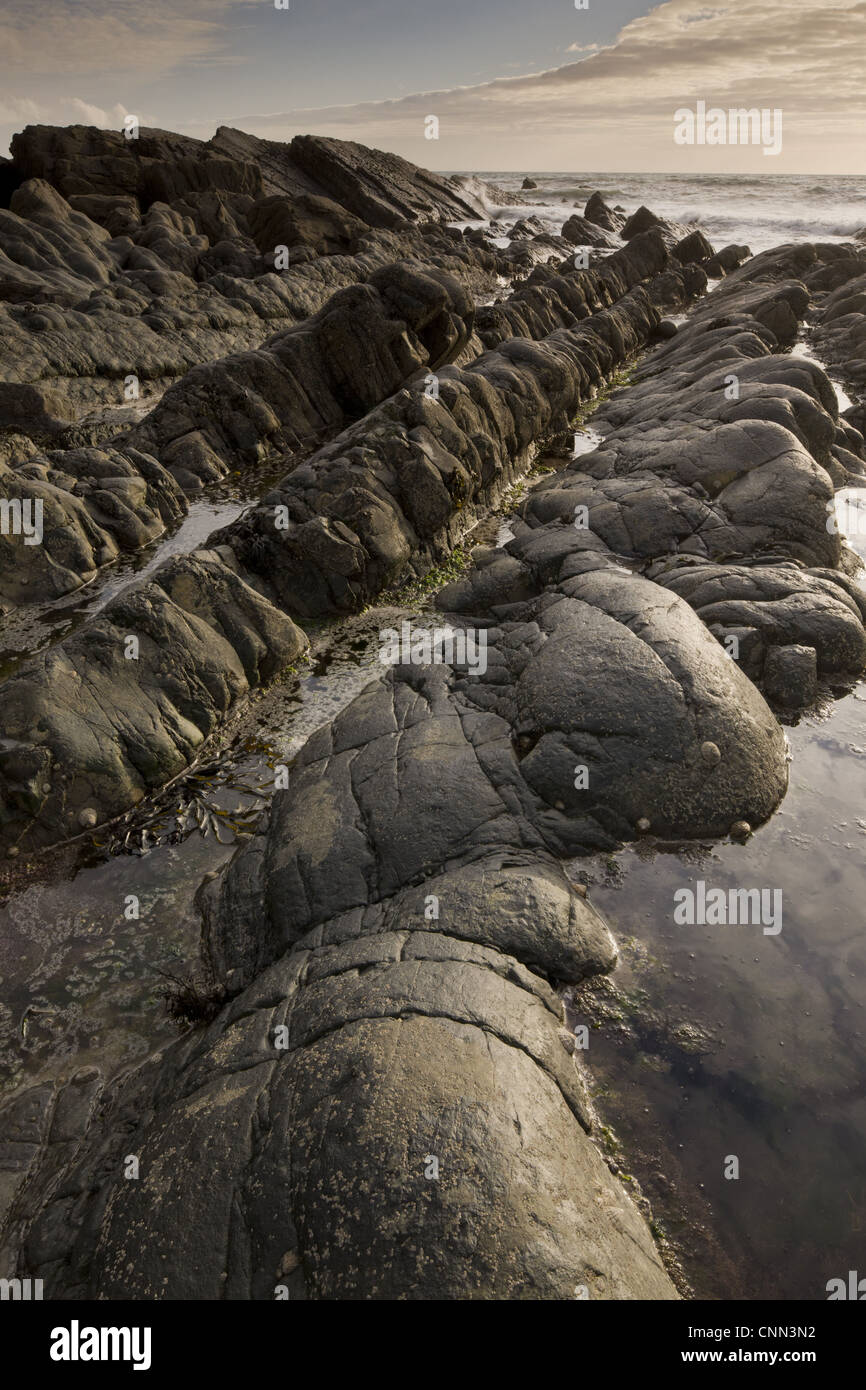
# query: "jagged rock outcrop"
{"points": [[580, 231], [93, 505], [554, 297], [598, 212], [394, 493], [167, 254], [125, 704], [158, 165], [645, 220], [715, 479], [367, 341], [840, 327], [336, 365], [381, 188], [165, 260], [388, 498]]}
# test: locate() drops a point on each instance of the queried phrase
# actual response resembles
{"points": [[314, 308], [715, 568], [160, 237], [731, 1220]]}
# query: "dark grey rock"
{"points": [[87, 726], [597, 211], [400, 911], [580, 231], [693, 248], [728, 259], [791, 676]]}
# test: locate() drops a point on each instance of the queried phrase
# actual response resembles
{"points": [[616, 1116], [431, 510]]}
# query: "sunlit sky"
{"points": [[514, 84]]}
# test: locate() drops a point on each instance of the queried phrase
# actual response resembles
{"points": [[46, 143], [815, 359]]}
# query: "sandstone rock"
{"points": [[100, 729], [118, 214], [381, 188], [641, 221], [726, 260], [478, 1047]]}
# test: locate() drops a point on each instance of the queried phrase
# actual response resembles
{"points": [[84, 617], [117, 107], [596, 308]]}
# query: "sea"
{"points": [[743, 210]]}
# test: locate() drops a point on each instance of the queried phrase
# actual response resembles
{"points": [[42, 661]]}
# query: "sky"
{"points": [[514, 84]]}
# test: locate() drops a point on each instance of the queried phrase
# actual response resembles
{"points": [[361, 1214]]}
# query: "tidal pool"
{"points": [[82, 982], [35, 626], [716, 1042]]}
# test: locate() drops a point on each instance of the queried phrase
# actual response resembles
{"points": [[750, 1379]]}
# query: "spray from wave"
{"points": [[759, 212]]}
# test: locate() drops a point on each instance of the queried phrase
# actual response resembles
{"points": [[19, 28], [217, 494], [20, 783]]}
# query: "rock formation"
{"points": [[386, 1105]]}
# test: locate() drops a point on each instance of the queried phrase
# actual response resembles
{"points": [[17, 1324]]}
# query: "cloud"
{"points": [[701, 17], [104, 46], [95, 115], [123, 36], [611, 107], [20, 109], [808, 61]]}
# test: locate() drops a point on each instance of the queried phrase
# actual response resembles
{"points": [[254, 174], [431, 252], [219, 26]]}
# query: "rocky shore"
{"points": [[387, 1104]]}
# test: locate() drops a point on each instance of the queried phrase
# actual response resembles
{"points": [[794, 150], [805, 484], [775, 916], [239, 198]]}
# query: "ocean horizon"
{"points": [[756, 210]]}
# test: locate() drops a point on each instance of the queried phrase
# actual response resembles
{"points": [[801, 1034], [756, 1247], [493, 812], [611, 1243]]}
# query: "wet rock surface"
{"points": [[385, 1101], [716, 478], [171, 254], [388, 499]]}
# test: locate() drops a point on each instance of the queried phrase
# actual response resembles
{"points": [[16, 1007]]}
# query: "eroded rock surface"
{"points": [[387, 499], [387, 1105]]}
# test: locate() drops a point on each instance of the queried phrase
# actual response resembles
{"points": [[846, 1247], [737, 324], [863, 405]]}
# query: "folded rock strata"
{"points": [[723, 497], [390, 930], [418, 1048], [124, 264], [129, 701], [387, 1106], [388, 498]]}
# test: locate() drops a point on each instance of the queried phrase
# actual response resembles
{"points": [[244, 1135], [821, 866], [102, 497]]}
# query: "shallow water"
{"points": [[82, 982], [802, 349], [32, 628], [583, 441], [712, 1042], [721, 1041], [80, 978], [35, 626]]}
